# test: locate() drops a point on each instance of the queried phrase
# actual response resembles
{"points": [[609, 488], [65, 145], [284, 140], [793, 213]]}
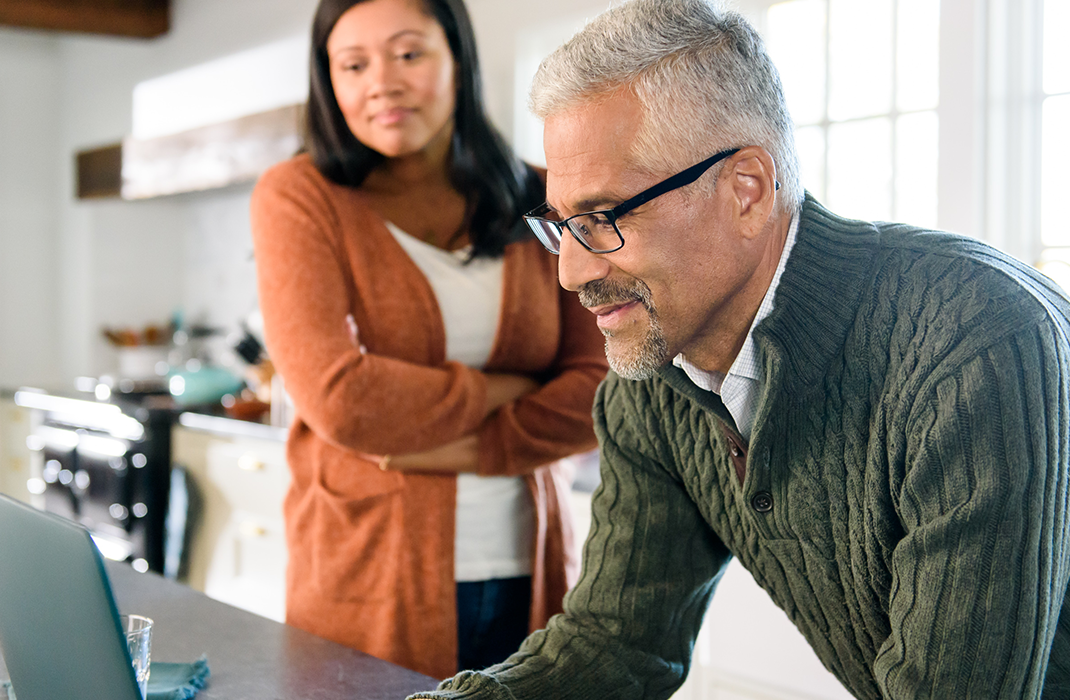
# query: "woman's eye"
{"points": [[356, 67], [411, 55]]}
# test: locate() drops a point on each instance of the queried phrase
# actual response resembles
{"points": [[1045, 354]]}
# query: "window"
{"points": [[1055, 142], [861, 81]]}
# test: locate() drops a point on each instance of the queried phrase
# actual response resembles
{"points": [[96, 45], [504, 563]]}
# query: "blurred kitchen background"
{"points": [[131, 132]]}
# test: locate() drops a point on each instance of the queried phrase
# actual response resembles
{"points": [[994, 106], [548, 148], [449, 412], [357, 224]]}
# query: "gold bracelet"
{"points": [[384, 461]]}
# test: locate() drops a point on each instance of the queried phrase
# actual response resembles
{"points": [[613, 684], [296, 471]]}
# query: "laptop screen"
{"points": [[59, 626]]}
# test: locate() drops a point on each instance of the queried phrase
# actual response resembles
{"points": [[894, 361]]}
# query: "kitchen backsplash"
{"points": [[219, 283]]}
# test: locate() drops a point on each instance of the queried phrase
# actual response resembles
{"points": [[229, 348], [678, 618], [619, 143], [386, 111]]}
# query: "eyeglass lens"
{"points": [[594, 229], [547, 232], [597, 232]]}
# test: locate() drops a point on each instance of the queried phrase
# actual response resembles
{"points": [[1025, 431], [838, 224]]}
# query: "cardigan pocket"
{"points": [[356, 522]]}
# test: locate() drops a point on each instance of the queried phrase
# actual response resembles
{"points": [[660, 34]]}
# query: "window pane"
{"points": [[1056, 46], [797, 45], [916, 151], [1055, 176], [810, 144], [918, 54], [860, 58], [1056, 265], [860, 169]]}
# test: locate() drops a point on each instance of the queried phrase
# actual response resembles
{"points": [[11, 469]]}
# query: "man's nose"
{"points": [[576, 266]]}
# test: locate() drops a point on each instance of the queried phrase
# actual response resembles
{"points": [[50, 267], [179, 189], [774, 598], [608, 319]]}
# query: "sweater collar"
{"points": [[814, 305], [817, 300]]}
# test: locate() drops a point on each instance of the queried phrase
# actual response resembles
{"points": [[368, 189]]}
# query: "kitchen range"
{"points": [[103, 450], [106, 465]]}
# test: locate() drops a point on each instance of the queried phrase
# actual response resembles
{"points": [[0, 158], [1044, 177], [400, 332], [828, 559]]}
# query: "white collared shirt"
{"points": [[739, 389]]}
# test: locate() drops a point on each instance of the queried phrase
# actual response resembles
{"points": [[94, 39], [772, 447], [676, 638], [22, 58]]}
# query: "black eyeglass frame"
{"points": [[535, 219]]}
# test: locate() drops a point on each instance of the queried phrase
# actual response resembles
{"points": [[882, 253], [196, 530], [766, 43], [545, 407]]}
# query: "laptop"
{"points": [[60, 633]]}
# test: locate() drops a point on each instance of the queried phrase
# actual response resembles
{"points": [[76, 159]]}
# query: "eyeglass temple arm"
{"points": [[684, 177]]}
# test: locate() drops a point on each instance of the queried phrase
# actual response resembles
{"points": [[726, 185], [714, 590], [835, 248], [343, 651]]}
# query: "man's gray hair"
{"points": [[700, 72]]}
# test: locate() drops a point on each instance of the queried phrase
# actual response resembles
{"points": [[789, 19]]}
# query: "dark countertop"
{"points": [[251, 657]]}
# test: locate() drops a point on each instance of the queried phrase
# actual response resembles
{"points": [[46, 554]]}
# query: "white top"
{"points": [[495, 515], [739, 389]]}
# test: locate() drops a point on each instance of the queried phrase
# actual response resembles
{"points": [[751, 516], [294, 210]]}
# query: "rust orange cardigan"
{"points": [[371, 552]]}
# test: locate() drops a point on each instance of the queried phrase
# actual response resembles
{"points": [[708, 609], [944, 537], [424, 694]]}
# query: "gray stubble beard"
{"points": [[653, 351]]}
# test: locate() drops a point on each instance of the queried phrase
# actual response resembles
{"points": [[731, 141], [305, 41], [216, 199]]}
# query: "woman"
{"points": [[437, 368]]}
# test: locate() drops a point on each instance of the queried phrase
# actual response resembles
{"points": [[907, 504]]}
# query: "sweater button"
{"points": [[762, 501], [736, 452]]}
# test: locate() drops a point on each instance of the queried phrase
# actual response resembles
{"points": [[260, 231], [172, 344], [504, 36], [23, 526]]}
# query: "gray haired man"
{"points": [[872, 418]]}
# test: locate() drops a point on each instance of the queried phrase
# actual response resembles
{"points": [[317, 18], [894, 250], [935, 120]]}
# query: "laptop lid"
{"points": [[59, 627]]}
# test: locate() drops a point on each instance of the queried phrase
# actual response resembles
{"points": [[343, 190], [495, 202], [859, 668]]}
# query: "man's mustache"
{"points": [[606, 291]]}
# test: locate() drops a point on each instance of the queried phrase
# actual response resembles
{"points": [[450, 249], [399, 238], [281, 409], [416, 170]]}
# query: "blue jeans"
{"points": [[492, 620]]}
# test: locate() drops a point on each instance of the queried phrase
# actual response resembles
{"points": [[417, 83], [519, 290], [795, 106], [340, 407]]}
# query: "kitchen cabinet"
{"points": [[237, 547], [144, 19], [203, 158]]}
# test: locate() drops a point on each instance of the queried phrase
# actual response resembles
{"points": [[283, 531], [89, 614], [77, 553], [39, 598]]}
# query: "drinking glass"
{"points": [[138, 631]]}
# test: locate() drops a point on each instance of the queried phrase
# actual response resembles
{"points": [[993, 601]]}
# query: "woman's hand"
{"points": [[506, 388], [459, 456], [462, 455]]}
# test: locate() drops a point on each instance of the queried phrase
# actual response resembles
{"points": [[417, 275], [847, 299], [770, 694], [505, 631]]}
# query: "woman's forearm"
{"points": [[504, 388], [459, 456], [462, 455]]}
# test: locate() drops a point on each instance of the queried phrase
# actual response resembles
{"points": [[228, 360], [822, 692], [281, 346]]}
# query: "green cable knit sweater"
{"points": [[905, 496]]}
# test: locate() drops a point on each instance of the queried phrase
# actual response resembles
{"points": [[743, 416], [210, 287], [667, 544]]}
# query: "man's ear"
{"points": [[753, 183]]}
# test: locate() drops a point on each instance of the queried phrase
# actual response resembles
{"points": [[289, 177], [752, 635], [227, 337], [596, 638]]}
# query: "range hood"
{"points": [[211, 156], [205, 127]]}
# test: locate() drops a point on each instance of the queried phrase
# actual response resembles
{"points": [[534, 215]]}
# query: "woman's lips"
{"points": [[389, 117]]}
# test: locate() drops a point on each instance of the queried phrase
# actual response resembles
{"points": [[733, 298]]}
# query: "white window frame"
{"points": [[989, 111]]}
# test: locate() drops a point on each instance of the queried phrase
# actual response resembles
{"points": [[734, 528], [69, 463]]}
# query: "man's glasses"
{"points": [[597, 230]]}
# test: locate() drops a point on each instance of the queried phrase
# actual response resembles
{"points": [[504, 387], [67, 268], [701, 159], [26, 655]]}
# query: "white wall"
{"points": [[29, 122], [508, 30], [127, 263]]}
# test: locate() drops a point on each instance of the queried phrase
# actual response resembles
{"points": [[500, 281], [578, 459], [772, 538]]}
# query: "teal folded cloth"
{"points": [[177, 681], [166, 681]]}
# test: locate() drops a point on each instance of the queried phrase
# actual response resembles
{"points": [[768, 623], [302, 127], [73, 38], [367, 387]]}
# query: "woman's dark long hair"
{"points": [[499, 188]]}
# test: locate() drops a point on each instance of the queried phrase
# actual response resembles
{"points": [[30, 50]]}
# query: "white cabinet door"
{"points": [[248, 564], [16, 459], [238, 552]]}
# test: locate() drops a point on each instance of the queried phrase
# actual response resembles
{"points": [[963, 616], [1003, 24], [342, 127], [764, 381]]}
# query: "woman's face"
{"points": [[393, 76]]}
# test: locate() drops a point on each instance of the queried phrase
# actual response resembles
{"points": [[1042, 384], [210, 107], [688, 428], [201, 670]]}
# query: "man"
{"points": [[872, 418]]}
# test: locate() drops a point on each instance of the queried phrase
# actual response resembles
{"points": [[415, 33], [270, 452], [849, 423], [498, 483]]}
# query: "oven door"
{"points": [[108, 469], [87, 479], [104, 489]]}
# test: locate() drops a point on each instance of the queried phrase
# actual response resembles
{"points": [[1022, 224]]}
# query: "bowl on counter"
{"points": [[204, 384]]}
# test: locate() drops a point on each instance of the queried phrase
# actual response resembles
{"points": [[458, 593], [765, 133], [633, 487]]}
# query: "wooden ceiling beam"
{"points": [[130, 18]]}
